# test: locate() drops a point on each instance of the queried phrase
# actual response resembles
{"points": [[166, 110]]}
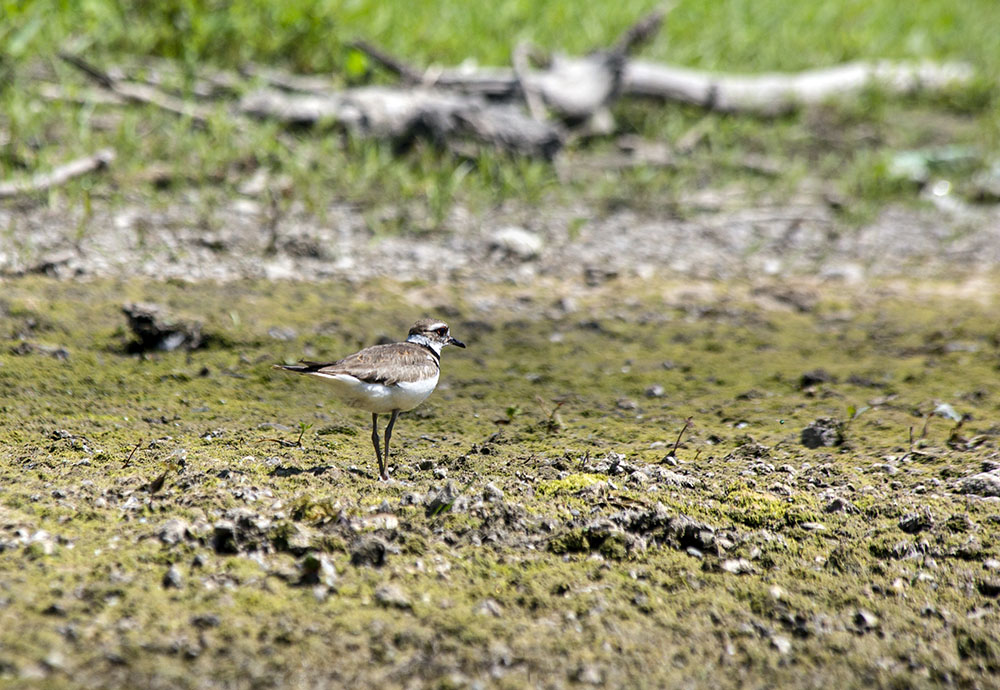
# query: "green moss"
{"points": [[570, 484], [520, 582], [755, 509]]}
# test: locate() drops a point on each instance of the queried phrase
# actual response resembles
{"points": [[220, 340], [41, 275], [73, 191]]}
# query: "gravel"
{"points": [[722, 236]]}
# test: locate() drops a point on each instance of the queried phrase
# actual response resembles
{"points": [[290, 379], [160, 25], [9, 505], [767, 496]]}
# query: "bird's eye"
{"points": [[441, 331]]}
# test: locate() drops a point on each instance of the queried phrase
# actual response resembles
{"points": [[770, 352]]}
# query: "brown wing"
{"points": [[386, 364]]}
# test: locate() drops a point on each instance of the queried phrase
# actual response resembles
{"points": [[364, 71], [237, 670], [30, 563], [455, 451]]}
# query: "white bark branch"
{"points": [[42, 182]]}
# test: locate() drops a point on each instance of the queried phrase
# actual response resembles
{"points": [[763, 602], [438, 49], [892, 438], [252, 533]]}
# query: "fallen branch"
{"points": [[403, 114], [287, 81], [141, 93], [778, 93], [42, 182], [398, 67]]}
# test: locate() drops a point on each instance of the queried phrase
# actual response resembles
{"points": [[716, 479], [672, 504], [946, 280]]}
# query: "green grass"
{"points": [[847, 146]]}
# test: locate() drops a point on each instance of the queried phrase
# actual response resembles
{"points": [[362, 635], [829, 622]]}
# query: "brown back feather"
{"points": [[387, 364]]}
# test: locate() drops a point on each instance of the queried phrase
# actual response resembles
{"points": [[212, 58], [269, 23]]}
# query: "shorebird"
{"points": [[387, 379]]}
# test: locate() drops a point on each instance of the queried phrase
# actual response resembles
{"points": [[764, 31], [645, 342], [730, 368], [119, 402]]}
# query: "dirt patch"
{"points": [[720, 236]]}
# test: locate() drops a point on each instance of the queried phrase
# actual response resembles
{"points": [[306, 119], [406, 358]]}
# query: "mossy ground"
{"points": [[508, 591]]}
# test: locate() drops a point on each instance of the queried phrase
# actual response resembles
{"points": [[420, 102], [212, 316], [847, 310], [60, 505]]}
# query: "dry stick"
{"points": [[778, 93], [43, 182], [641, 31], [90, 96], [911, 438], [141, 93], [390, 62], [532, 97], [286, 81], [129, 458], [687, 423], [927, 421]]}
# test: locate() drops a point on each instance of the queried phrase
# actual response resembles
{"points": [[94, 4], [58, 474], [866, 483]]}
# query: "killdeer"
{"points": [[387, 379]]}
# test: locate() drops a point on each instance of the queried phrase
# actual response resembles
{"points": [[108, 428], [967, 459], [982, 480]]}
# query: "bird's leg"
{"points": [[388, 435], [378, 451]]}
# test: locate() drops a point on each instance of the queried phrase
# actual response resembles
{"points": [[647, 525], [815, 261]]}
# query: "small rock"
{"points": [[627, 404], [317, 569], [281, 333], [443, 501], [205, 621], [172, 531], [825, 431], [588, 675], [391, 596], [369, 551], [989, 588], [490, 607], [813, 526], [492, 493], [597, 275], [865, 620], [56, 609], [655, 391], [41, 543], [814, 377], [516, 243], [224, 537], [948, 412], [155, 330], [982, 484], [913, 523], [173, 578], [840, 505], [781, 643], [991, 564], [738, 566]]}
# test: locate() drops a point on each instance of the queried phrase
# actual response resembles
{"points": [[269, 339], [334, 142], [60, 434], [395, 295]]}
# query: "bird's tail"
{"points": [[303, 367]]}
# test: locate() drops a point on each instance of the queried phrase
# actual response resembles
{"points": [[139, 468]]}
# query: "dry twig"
{"points": [[42, 182]]}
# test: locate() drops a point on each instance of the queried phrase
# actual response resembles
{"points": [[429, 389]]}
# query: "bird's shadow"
{"points": [[290, 471]]}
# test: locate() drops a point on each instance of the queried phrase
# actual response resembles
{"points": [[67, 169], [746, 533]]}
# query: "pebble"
{"points": [[982, 484], [490, 607], [492, 493], [369, 551], [913, 523], [737, 566], [317, 569], [172, 531], [173, 578], [391, 596], [588, 675], [781, 643], [865, 620], [516, 242]]}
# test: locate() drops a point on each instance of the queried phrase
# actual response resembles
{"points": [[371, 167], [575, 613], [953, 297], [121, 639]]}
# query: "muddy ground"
{"points": [[829, 515]]}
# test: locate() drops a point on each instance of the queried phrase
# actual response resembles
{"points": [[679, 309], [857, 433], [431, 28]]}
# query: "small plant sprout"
{"points": [[297, 443], [553, 421], [128, 460], [853, 413], [509, 414], [303, 428], [688, 423]]}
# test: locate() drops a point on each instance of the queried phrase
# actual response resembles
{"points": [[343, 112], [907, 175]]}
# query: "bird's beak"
{"points": [[455, 341]]}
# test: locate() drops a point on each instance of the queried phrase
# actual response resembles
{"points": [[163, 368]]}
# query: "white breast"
{"points": [[379, 398]]}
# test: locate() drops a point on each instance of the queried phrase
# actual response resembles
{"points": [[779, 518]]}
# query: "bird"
{"points": [[387, 379]]}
